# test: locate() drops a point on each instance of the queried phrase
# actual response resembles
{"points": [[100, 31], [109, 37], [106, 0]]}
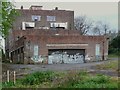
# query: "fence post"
{"points": [[8, 76], [14, 77]]}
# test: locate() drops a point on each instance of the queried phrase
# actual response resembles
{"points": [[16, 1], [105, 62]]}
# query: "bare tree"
{"points": [[82, 24], [96, 30], [101, 27], [105, 28]]}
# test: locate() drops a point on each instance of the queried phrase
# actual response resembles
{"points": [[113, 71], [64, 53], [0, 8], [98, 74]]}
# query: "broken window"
{"points": [[51, 18], [36, 18], [27, 25], [58, 25]]}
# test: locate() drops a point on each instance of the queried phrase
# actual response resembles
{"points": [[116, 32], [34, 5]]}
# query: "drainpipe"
{"points": [[29, 52], [103, 51]]}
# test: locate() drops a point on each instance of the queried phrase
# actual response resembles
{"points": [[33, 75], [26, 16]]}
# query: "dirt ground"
{"points": [[22, 69]]}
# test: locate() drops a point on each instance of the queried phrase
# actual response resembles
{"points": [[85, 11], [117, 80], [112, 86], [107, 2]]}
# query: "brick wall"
{"points": [[21, 42], [61, 16], [42, 41], [44, 37]]}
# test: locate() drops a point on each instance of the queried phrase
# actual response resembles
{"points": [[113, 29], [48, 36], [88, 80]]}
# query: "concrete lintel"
{"points": [[49, 45]]}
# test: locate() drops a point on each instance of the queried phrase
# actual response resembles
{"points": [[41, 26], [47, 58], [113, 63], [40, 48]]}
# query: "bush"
{"points": [[114, 51]]}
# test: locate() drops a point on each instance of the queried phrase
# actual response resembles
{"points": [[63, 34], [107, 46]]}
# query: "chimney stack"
{"points": [[21, 7]]}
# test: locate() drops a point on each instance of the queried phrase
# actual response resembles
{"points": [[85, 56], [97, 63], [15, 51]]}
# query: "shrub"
{"points": [[100, 79], [8, 84]]}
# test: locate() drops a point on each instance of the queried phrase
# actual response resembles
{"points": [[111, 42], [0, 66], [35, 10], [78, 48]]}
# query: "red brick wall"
{"points": [[43, 37], [61, 16], [69, 39]]}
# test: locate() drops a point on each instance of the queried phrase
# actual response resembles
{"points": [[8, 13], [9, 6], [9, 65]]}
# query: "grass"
{"points": [[0, 85], [69, 79], [113, 65], [94, 82], [113, 56]]}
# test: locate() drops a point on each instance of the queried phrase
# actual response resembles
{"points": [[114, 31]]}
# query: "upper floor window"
{"points": [[51, 18], [36, 18], [28, 25]]}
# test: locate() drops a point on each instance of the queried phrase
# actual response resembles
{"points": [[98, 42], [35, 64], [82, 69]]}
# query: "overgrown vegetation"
{"points": [[113, 65], [0, 85], [114, 47], [69, 79]]}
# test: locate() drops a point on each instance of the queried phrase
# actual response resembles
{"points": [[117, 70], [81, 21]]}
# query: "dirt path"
{"points": [[27, 69], [53, 67]]}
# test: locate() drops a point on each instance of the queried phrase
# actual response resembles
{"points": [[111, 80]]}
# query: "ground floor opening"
{"points": [[66, 56]]}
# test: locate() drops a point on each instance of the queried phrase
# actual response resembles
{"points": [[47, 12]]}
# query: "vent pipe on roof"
{"points": [[21, 7], [56, 8]]}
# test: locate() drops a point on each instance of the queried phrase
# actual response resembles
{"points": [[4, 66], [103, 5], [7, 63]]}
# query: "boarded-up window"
{"points": [[59, 25], [97, 49], [51, 18], [35, 57], [35, 50]]}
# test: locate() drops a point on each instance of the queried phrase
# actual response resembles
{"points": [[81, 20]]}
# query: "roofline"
{"points": [[42, 10]]}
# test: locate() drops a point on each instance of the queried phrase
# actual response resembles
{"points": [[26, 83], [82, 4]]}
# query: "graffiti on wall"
{"points": [[37, 58], [87, 58], [57, 57]]}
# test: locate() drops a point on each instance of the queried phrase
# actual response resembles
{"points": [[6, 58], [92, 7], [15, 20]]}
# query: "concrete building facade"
{"points": [[48, 36]]}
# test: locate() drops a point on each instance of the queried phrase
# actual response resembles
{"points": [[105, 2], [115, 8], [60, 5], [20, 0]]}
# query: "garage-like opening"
{"points": [[66, 56]]}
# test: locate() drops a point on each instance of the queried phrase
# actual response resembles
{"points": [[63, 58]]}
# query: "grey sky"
{"points": [[104, 11]]}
